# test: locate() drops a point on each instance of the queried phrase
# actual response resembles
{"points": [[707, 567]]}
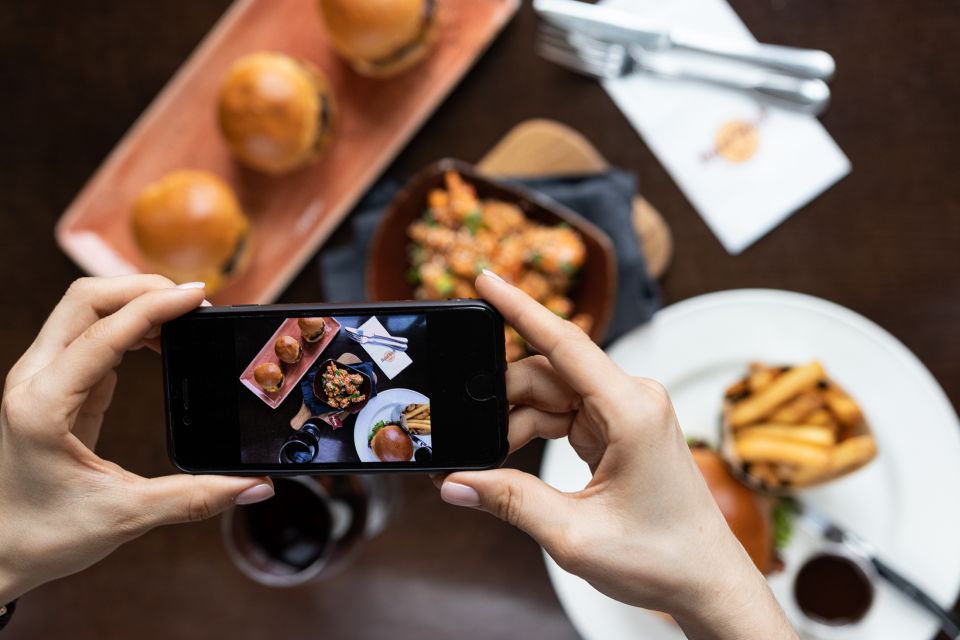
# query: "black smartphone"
{"points": [[275, 389]]}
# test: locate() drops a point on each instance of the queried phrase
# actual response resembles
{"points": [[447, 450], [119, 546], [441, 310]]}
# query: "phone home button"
{"points": [[480, 386]]}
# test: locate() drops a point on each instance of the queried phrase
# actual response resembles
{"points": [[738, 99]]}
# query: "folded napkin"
{"points": [[606, 199], [744, 166]]}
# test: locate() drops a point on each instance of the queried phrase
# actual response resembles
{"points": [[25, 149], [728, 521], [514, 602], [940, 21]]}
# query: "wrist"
{"points": [[730, 598]]}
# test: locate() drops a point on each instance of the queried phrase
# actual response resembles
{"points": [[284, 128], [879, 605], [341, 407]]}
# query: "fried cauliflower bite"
{"points": [[555, 249], [560, 305], [502, 217], [534, 285], [508, 257], [435, 282], [463, 197], [432, 237]]}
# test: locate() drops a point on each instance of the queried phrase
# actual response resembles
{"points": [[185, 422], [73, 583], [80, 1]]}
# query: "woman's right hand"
{"points": [[645, 530]]}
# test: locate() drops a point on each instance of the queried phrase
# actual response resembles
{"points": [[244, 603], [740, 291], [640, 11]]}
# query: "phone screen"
{"points": [[300, 389]]}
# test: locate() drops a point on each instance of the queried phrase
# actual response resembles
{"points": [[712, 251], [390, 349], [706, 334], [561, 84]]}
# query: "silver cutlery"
{"points": [[606, 60], [819, 524], [630, 29], [397, 344]]}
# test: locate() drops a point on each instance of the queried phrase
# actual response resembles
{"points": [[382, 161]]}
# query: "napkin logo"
{"points": [[736, 141]]}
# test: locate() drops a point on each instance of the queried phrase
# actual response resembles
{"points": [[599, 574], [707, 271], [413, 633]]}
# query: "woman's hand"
{"points": [[62, 507], [645, 530]]}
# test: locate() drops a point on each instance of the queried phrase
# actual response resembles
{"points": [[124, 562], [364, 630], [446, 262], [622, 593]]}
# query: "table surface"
{"points": [[883, 242]]}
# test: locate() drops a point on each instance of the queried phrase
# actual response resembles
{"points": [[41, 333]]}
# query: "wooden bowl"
{"points": [[388, 261]]}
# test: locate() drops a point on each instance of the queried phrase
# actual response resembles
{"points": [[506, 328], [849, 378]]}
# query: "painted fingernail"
{"points": [[491, 274], [459, 494], [256, 493], [192, 285]]}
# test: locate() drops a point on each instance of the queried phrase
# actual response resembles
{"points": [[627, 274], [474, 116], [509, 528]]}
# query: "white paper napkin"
{"points": [[390, 362], [744, 167]]}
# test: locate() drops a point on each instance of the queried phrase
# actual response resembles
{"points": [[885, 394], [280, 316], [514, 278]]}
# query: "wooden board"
{"points": [[542, 147], [291, 214], [291, 372]]}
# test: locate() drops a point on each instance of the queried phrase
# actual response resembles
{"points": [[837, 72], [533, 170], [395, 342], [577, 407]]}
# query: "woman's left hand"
{"points": [[62, 507]]}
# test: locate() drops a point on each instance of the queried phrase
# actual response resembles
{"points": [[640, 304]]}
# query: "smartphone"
{"points": [[299, 389]]}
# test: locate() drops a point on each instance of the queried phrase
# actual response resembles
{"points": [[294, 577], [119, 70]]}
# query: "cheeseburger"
{"points": [[268, 376], [288, 349], [312, 329], [391, 444], [189, 226], [380, 38], [275, 112], [748, 514]]}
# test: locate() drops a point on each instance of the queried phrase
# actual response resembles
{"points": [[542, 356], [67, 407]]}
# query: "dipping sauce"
{"points": [[833, 590]]}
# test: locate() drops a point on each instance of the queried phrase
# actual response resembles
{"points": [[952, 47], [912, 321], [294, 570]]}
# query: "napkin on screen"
{"points": [[743, 166], [606, 199]]}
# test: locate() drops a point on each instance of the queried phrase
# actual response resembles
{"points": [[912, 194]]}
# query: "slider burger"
{"points": [[189, 227], [268, 376], [391, 444], [380, 38], [748, 514], [275, 112], [312, 329], [288, 349]]}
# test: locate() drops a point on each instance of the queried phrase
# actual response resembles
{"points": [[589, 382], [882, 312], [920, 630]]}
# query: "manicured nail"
{"points": [[459, 494], [205, 303], [491, 274], [256, 493], [192, 285]]}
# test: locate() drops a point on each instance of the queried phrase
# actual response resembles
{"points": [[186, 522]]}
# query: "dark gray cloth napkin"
{"points": [[605, 199]]}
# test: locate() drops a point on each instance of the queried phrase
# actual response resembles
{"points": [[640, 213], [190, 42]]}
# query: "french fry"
{"points": [[852, 453], [821, 417], [761, 378], [806, 433], [843, 407], [783, 388], [737, 389], [782, 451], [795, 411]]}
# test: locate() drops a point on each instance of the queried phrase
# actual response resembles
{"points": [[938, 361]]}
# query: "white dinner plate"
{"points": [[383, 406], [904, 502]]}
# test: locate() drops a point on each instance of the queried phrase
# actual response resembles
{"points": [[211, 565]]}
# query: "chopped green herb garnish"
{"points": [[567, 268], [783, 513], [413, 276], [444, 285], [473, 221]]}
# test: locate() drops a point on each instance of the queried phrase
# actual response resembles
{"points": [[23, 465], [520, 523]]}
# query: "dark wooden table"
{"points": [[884, 242]]}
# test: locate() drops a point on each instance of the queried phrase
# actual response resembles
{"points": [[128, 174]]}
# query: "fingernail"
{"points": [[491, 274], [459, 494], [256, 493], [205, 303], [192, 285]]}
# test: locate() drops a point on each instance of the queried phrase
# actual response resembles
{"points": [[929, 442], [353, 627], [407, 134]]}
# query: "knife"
{"points": [[823, 526], [624, 27]]}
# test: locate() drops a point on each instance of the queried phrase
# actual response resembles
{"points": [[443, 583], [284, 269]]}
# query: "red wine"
{"points": [[293, 527]]}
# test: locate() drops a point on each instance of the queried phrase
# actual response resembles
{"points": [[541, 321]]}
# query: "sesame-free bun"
{"points": [[392, 444], [269, 376], [380, 38], [189, 227], [275, 111]]}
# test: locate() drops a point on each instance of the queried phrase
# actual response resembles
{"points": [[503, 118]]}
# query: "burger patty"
{"points": [[234, 260]]}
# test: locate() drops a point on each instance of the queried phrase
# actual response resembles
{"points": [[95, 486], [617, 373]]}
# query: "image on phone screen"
{"points": [[307, 388], [334, 389]]}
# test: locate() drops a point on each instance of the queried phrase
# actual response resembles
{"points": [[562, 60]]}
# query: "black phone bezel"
{"points": [[437, 336]]}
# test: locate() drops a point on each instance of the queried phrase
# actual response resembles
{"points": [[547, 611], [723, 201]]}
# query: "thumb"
{"points": [[188, 498], [515, 497]]}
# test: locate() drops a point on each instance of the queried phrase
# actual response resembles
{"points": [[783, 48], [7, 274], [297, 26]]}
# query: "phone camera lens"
{"points": [[187, 420]]}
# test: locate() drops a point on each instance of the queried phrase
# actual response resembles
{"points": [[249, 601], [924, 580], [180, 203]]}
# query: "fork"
{"points": [[607, 61], [377, 340]]}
